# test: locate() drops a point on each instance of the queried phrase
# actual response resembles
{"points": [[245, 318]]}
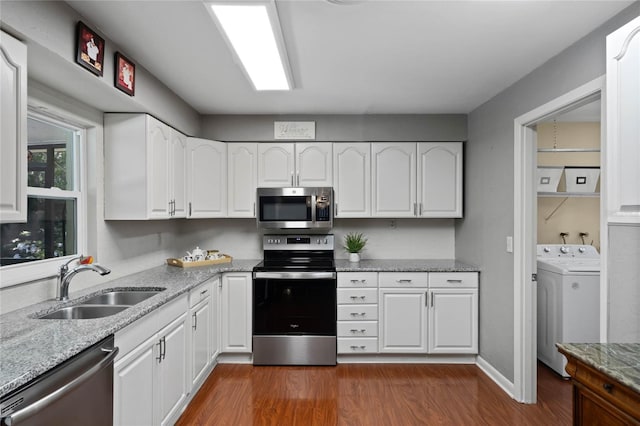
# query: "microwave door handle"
{"points": [[314, 206]]}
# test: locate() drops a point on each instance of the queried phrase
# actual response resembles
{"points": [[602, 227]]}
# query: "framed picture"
{"points": [[125, 75], [90, 49]]}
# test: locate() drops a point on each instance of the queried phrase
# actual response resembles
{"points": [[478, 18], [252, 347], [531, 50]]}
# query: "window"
{"points": [[54, 197]]}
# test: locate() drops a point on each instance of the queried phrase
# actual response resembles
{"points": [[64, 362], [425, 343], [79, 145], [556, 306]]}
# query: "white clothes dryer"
{"points": [[568, 299]]}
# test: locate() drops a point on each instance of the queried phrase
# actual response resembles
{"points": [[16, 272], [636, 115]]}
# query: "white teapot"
{"points": [[197, 254]]}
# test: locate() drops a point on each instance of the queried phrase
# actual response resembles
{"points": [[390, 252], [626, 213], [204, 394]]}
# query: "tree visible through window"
{"points": [[52, 196]]}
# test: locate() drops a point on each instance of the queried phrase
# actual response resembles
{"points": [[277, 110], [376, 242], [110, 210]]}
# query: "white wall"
{"points": [[408, 239], [480, 237]]}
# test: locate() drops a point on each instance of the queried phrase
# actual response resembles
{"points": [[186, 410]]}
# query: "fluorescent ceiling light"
{"points": [[253, 30]]}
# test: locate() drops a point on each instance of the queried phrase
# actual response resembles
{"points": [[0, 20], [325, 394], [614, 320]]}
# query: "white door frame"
{"points": [[525, 223]]}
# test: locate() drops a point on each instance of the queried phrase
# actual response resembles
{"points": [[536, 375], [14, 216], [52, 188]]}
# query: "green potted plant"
{"points": [[354, 242]]}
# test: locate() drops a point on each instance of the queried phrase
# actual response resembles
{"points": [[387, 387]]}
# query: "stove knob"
{"points": [[546, 250], [582, 249], [564, 250], [326, 241]]}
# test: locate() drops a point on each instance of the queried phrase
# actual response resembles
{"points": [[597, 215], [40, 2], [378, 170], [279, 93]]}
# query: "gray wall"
{"points": [[480, 237], [49, 30], [367, 128], [624, 283]]}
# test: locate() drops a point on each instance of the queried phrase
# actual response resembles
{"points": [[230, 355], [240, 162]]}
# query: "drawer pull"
{"points": [[356, 314], [454, 281], [203, 292], [403, 281], [358, 281], [355, 348], [356, 331], [608, 387]]}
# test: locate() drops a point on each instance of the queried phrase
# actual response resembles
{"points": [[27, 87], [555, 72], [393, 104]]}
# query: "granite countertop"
{"points": [[620, 361], [404, 265], [31, 346]]}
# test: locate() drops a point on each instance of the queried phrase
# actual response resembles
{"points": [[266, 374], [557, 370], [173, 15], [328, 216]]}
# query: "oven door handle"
{"points": [[307, 275]]}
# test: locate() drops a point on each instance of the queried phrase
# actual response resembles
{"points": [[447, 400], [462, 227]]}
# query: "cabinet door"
{"points": [[314, 164], [403, 321], [275, 164], [13, 132], [172, 371], [178, 174], [236, 313], [352, 179], [133, 385], [158, 172], [242, 161], [215, 318], [393, 170], [201, 335], [623, 126], [440, 179], [206, 178], [453, 321]]}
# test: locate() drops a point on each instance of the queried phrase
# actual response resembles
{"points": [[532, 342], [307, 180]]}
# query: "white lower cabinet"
{"points": [[410, 313], [202, 334], [453, 313], [236, 312], [357, 312], [150, 373]]}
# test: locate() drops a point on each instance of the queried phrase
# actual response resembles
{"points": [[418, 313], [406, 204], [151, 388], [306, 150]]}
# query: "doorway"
{"points": [[525, 232]]}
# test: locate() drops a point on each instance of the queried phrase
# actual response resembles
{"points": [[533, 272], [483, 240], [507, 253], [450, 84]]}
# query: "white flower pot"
{"points": [[354, 257]]}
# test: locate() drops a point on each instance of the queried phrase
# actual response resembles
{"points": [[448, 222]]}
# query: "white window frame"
{"points": [[48, 268]]}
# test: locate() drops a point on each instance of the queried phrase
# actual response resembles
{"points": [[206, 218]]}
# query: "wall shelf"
{"points": [[568, 194], [568, 149]]}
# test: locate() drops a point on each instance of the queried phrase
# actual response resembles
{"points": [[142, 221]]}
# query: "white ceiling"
{"points": [[354, 57]]}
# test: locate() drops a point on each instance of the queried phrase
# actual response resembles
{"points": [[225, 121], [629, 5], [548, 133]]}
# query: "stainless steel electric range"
{"points": [[294, 301]]}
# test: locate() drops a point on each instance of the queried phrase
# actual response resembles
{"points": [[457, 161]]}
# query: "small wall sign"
{"points": [[294, 130]]}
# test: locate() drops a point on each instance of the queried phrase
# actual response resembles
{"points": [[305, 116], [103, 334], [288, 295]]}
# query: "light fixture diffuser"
{"points": [[253, 31]]}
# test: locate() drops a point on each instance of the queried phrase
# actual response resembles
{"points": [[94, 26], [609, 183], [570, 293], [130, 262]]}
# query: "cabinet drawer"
{"points": [[357, 312], [357, 328], [453, 279], [403, 279], [356, 345], [199, 293], [357, 279], [357, 296]]}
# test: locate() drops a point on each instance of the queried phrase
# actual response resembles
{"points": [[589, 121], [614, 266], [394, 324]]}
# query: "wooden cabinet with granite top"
{"points": [[606, 379]]}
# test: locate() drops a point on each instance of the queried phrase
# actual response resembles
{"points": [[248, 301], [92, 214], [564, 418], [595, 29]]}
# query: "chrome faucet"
{"points": [[65, 275]]}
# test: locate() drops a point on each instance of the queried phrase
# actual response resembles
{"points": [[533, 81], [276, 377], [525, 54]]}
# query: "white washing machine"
{"points": [[568, 299]]}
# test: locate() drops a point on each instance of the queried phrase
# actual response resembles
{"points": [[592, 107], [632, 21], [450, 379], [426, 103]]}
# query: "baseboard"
{"points": [[496, 376]]}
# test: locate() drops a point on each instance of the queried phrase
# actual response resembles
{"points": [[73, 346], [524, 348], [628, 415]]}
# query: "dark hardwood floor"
{"points": [[371, 394]]}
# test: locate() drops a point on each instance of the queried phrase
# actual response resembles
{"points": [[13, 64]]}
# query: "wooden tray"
{"points": [[180, 263]]}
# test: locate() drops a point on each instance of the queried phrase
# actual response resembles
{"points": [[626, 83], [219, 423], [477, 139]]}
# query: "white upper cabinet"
{"points": [[393, 170], [294, 164], [439, 179], [623, 124], [206, 178], [352, 179], [314, 164], [143, 179], [242, 161], [13, 132], [178, 182], [276, 164]]}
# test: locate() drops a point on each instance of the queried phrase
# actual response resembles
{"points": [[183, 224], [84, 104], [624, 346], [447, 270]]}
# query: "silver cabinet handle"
{"points": [[298, 178], [454, 281], [189, 208], [335, 209], [420, 209], [203, 292], [164, 347], [432, 300], [39, 405], [403, 281], [159, 357], [254, 208], [415, 209], [195, 321], [292, 184]]}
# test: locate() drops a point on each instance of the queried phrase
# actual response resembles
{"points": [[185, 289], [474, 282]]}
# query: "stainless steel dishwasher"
{"points": [[77, 392]]}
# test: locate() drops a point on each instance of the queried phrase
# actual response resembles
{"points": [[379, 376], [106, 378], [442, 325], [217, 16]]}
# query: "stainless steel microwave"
{"points": [[295, 208]]}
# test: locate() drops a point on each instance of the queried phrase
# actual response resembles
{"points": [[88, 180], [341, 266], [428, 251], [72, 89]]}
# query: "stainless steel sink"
{"points": [[103, 305], [121, 297], [85, 312]]}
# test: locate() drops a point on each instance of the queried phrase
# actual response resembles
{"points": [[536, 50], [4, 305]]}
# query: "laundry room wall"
{"points": [[572, 215]]}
